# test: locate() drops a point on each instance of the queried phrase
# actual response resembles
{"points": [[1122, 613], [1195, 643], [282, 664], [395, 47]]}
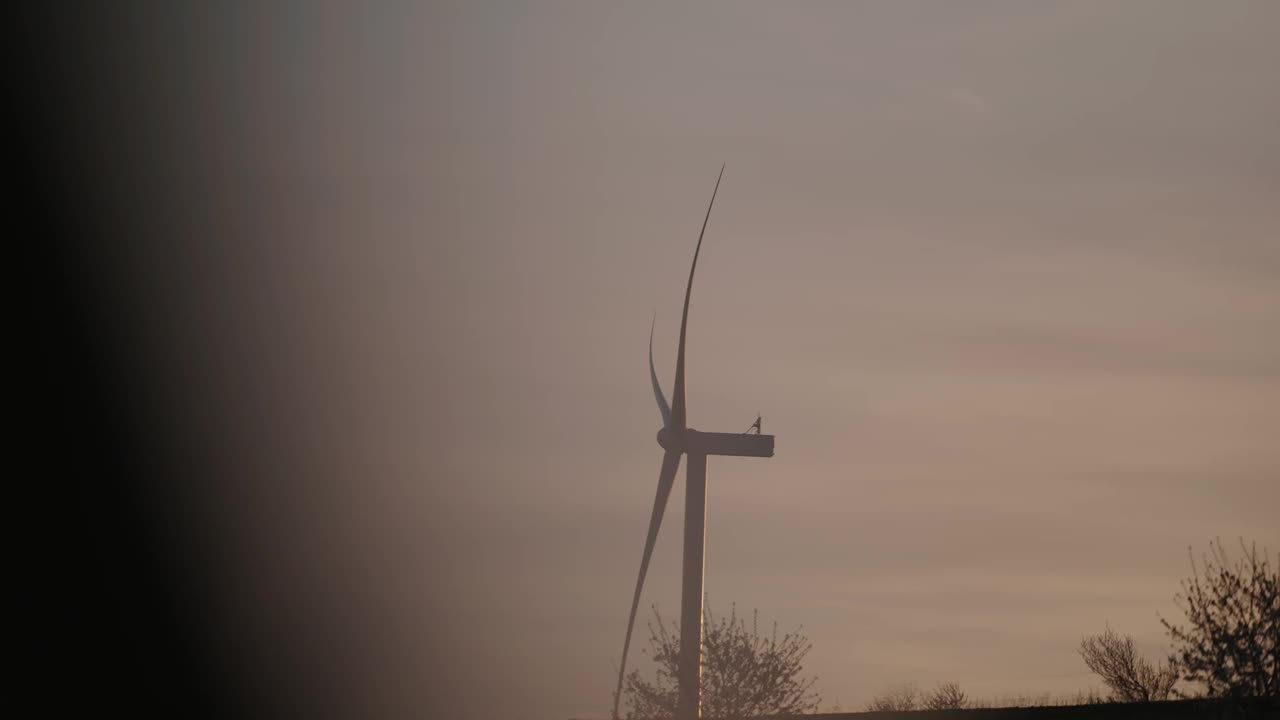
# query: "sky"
{"points": [[1003, 279]]}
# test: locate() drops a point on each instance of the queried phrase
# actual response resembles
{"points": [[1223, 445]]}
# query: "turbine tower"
{"points": [[677, 438]]}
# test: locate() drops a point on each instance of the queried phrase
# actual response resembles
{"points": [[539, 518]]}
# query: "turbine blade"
{"points": [[653, 377], [666, 479], [679, 413]]}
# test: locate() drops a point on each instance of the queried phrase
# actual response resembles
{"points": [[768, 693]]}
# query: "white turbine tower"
{"points": [[677, 438]]}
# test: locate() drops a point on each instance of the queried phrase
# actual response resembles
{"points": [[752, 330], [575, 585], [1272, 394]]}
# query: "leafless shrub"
{"points": [[1130, 677], [947, 696], [744, 674], [1231, 643]]}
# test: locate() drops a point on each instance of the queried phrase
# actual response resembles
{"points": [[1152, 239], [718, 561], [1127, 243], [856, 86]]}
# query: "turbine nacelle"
{"points": [[713, 443]]}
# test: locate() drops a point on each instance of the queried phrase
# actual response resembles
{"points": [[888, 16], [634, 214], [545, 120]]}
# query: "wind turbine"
{"points": [[677, 438]]}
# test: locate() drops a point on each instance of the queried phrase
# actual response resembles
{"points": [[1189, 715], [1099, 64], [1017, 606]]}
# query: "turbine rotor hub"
{"points": [[669, 440]]}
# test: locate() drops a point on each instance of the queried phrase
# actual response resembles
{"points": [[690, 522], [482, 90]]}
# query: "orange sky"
{"points": [[1003, 278]]}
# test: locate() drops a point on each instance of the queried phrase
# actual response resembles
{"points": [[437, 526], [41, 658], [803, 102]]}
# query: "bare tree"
{"points": [[1231, 640], [905, 697], [947, 696], [1130, 677], [744, 674]]}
